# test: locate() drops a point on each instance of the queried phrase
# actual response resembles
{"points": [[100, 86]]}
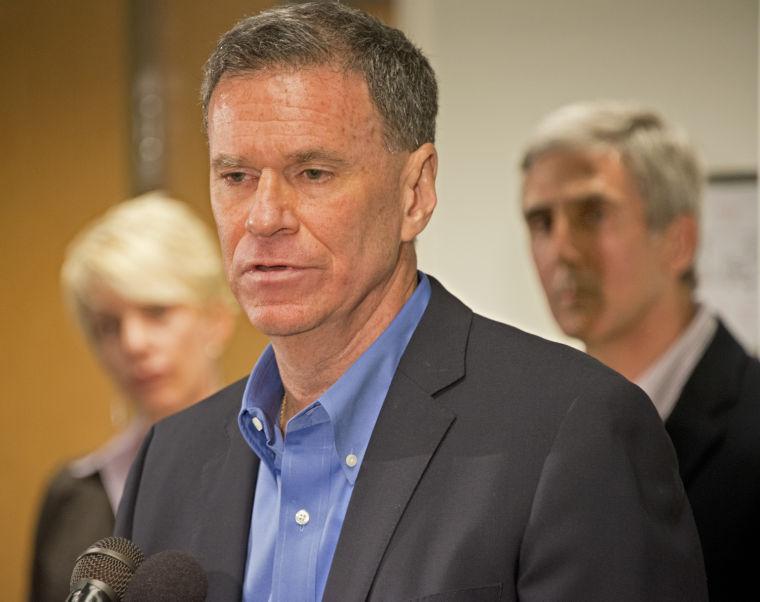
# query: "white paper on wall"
{"points": [[728, 259]]}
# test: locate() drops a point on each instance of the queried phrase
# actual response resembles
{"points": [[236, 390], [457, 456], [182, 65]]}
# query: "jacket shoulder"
{"points": [[220, 406], [542, 365]]}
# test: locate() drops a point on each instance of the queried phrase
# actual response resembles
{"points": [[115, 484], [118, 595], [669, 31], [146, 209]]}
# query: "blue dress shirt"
{"points": [[306, 479]]}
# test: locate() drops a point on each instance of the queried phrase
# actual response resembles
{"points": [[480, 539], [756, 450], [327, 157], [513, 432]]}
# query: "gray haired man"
{"points": [[389, 444], [611, 197]]}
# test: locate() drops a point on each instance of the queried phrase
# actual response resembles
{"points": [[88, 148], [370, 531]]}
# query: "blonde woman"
{"points": [[146, 285]]}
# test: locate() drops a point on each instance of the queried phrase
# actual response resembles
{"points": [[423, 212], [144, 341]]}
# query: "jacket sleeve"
{"points": [[610, 519]]}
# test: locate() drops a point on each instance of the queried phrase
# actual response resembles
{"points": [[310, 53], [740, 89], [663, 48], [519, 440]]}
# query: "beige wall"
{"points": [[64, 143]]}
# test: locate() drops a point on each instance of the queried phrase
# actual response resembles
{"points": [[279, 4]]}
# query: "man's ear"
{"points": [[418, 190], [682, 236]]}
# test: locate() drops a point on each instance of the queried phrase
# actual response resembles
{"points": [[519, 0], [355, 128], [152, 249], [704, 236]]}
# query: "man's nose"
{"points": [[565, 239], [270, 210]]}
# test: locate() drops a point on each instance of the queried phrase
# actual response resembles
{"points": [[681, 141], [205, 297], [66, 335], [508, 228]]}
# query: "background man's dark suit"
{"points": [[715, 428], [501, 467]]}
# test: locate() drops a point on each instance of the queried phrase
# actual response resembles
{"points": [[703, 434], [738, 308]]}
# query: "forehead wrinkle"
{"points": [[313, 124], [301, 120], [299, 141], [568, 202], [259, 88]]}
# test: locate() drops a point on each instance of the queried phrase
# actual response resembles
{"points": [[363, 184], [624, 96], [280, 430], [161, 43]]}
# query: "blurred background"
{"points": [[100, 103]]}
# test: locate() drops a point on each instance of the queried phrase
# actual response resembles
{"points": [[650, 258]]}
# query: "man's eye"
{"points": [[235, 177], [315, 175], [539, 222], [592, 214]]}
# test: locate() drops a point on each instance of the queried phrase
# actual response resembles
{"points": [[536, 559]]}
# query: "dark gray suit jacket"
{"points": [[502, 467], [715, 428]]}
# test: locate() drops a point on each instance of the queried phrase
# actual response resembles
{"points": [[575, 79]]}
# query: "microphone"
{"points": [[102, 571], [168, 576]]}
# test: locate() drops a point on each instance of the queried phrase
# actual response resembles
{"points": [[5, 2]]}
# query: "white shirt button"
{"points": [[351, 460], [257, 423], [302, 517]]}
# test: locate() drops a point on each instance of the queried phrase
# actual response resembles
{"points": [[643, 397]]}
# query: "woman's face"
{"points": [[162, 357]]}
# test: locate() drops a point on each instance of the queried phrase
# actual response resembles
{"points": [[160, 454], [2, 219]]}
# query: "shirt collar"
{"points": [[664, 380], [352, 403], [258, 414]]}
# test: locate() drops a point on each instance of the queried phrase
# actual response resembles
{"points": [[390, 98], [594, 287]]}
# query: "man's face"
{"points": [[602, 269], [305, 195]]}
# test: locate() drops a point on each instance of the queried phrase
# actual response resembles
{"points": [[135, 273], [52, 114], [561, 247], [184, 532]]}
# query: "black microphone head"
{"points": [[112, 561], [168, 576]]}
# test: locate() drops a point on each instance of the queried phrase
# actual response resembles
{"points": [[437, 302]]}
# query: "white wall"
{"points": [[503, 64]]}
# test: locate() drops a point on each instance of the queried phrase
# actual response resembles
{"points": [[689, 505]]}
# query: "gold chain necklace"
{"points": [[283, 410]]}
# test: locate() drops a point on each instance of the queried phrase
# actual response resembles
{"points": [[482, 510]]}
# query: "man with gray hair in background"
{"points": [[611, 197], [389, 444]]}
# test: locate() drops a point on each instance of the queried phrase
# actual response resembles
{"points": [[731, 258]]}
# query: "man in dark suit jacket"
{"points": [[611, 197], [389, 444], [714, 428]]}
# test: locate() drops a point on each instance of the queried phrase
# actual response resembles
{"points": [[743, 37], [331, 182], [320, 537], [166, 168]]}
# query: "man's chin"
{"points": [[573, 324], [277, 321]]}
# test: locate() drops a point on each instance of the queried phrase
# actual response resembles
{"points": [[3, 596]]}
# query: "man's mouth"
{"points": [[575, 294], [271, 268]]}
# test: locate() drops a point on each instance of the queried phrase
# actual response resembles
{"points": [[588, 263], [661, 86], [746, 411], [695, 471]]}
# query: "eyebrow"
{"points": [[533, 211], [549, 204], [316, 154], [224, 161]]}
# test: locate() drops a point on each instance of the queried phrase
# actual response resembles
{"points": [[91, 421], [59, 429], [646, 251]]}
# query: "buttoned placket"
{"points": [[308, 459]]}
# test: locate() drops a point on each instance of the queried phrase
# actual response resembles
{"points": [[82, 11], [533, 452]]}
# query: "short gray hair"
{"points": [[664, 164], [400, 79]]}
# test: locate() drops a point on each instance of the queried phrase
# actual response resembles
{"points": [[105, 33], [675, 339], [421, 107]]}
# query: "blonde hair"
{"points": [[150, 250]]}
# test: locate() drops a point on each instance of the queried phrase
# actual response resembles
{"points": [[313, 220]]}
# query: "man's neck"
{"points": [[311, 362], [635, 350]]}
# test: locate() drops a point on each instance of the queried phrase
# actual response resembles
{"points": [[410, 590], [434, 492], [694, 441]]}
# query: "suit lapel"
{"points": [[226, 491], [410, 427], [697, 424]]}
